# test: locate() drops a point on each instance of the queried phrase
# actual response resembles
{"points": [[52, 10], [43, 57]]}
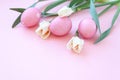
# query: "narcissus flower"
{"points": [[43, 30], [65, 11], [75, 44]]}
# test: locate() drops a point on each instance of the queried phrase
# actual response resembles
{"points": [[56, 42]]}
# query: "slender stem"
{"points": [[102, 4], [78, 7], [85, 5], [77, 33], [49, 14], [106, 9]]}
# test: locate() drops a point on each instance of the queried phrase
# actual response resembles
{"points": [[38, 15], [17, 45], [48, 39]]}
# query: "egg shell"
{"points": [[87, 28], [61, 26], [30, 17]]}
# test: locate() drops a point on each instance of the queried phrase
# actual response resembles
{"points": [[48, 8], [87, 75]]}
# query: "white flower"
{"points": [[75, 44], [65, 11], [43, 29]]}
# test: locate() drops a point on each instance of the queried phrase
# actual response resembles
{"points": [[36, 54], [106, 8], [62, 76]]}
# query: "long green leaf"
{"points": [[21, 10], [17, 21], [49, 14], [115, 17], [105, 10], [100, 4], [107, 32], [107, 3], [35, 3], [94, 14], [81, 5], [54, 4], [75, 2], [41, 0]]}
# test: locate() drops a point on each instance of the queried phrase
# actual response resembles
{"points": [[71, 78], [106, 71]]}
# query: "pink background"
{"points": [[25, 56]]}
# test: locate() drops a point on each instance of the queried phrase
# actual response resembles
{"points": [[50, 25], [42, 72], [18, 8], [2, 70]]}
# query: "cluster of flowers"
{"points": [[60, 26]]}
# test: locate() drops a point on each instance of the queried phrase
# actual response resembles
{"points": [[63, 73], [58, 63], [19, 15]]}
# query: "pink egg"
{"points": [[30, 17], [87, 28], [61, 26]]}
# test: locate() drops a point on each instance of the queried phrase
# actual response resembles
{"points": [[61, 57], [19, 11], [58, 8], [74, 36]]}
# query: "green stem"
{"points": [[48, 14], [106, 9], [107, 3], [107, 32], [100, 4], [77, 33]]}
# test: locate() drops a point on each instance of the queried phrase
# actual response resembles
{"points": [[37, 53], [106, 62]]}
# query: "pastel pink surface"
{"points": [[24, 56]]}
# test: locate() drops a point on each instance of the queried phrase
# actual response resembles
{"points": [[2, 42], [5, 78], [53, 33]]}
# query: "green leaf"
{"points": [[81, 5], [115, 17], [49, 14], [107, 3], [21, 10], [107, 32], [54, 4], [105, 10], [17, 21], [101, 1], [41, 0], [94, 14], [33, 5], [118, 4], [75, 2], [100, 4], [102, 36]]}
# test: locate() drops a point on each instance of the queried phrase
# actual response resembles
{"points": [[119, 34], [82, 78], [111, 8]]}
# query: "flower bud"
{"points": [[43, 30], [65, 11], [75, 44]]}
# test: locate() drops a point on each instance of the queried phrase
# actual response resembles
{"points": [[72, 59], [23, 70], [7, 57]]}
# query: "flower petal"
{"points": [[65, 11], [75, 44], [43, 30]]}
